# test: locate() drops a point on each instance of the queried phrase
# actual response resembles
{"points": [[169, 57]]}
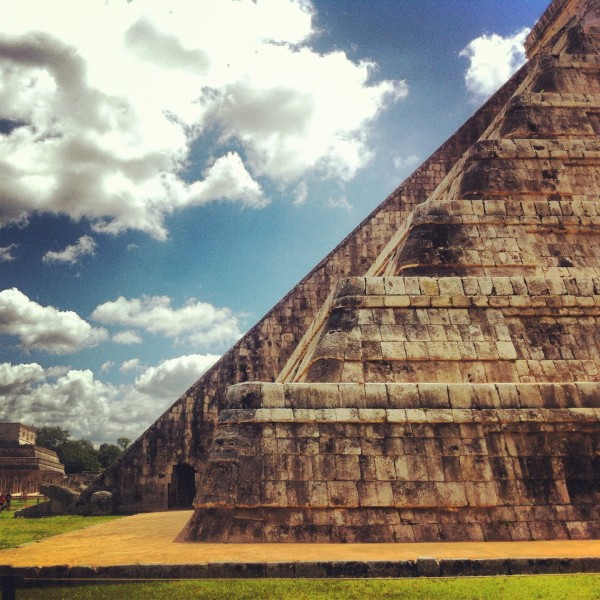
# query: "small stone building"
{"points": [[23, 464]]}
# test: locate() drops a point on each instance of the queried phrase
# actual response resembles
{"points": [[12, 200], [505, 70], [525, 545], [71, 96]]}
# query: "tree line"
{"points": [[79, 456]]}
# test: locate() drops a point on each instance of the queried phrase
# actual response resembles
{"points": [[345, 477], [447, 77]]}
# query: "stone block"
{"points": [[347, 467], [272, 395], [413, 494], [385, 468], [273, 493], [480, 493], [450, 494], [433, 396], [394, 286], [460, 395], [403, 395], [350, 286], [244, 395], [342, 493], [375, 493], [372, 415]]}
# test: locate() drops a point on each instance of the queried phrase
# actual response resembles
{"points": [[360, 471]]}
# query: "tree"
{"points": [[108, 453], [123, 442], [78, 456], [51, 437]]}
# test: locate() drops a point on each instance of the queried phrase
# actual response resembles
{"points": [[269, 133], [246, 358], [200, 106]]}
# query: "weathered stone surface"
{"points": [[24, 466], [438, 374], [450, 393], [462, 470], [183, 435], [61, 499], [101, 503]]}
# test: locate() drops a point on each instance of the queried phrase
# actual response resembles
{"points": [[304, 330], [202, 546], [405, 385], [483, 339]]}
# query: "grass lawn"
{"points": [[14, 532], [547, 587]]}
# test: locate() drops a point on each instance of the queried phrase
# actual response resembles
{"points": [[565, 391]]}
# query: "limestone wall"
{"points": [[17, 433], [453, 393], [403, 463], [23, 467], [459, 329]]}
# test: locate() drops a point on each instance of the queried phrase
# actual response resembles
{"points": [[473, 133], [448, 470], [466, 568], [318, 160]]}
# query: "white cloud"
{"points": [[108, 144], [45, 327], [406, 162], [300, 194], [85, 245], [127, 337], [6, 253], [227, 179], [340, 202], [72, 399], [90, 408], [130, 365], [107, 366], [18, 376], [493, 59], [198, 323], [299, 118], [172, 377]]}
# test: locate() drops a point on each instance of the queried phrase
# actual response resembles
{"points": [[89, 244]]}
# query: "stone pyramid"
{"points": [[451, 391], [436, 372]]}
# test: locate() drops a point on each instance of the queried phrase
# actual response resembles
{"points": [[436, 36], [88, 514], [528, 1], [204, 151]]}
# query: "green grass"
{"points": [[15, 532], [546, 587]]}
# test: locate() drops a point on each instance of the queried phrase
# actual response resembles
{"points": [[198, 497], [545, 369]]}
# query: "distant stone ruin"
{"points": [[437, 376], [24, 466]]}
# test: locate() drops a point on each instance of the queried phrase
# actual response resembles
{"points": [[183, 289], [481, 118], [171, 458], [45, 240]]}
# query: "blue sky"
{"points": [[168, 171]]}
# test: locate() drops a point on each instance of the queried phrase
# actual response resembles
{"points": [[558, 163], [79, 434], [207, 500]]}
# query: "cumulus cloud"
{"points": [[172, 377], [198, 323], [493, 59], [130, 365], [107, 366], [93, 409], [340, 202], [227, 179], [17, 377], [85, 245], [406, 162], [37, 396], [6, 253], [300, 194], [127, 337], [45, 327], [82, 138]]}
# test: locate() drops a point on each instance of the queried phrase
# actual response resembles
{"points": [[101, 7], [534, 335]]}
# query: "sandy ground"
{"points": [[150, 538]]}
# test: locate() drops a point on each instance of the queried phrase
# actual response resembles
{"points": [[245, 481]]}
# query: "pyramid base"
{"points": [[393, 525], [327, 463]]}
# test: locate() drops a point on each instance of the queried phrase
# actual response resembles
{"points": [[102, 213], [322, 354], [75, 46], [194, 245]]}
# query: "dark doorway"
{"points": [[182, 489]]}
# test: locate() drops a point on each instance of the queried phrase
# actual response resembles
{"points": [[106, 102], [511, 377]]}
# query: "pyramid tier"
{"points": [[403, 463], [458, 329]]}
